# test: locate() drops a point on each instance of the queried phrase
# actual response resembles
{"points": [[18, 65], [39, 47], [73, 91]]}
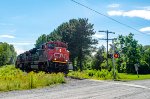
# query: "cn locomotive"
{"points": [[50, 57]]}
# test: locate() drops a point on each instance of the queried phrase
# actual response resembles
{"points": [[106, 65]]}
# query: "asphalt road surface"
{"points": [[86, 89]]}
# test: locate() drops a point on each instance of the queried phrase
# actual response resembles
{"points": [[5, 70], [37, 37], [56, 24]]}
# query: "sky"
{"points": [[23, 21]]}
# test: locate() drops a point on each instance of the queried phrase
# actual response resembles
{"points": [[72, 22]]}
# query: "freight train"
{"points": [[49, 57]]}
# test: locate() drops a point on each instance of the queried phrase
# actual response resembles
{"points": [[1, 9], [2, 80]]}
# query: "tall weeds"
{"points": [[95, 74], [14, 79]]}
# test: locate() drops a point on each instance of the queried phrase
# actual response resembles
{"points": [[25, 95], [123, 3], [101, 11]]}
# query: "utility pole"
{"points": [[107, 39]]}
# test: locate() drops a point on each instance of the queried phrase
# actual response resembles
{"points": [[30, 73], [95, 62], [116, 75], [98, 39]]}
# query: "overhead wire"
{"points": [[109, 17]]}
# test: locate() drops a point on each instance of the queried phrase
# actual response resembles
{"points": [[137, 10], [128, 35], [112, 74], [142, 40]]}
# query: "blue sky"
{"points": [[23, 21]]}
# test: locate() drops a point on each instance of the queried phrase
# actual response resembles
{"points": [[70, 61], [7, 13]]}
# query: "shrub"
{"points": [[116, 74], [96, 74], [14, 79], [144, 68], [78, 74], [91, 73]]}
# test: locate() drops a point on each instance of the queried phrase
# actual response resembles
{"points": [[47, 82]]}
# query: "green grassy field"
{"points": [[92, 74], [14, 79], [105, 75], [124, 76]]}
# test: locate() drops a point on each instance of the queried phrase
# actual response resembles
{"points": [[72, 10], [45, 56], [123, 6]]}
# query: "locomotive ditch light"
{"points": [[59, 50]]}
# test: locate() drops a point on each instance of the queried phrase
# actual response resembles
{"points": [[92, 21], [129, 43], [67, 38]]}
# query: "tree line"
{"points": [[131, 53]]}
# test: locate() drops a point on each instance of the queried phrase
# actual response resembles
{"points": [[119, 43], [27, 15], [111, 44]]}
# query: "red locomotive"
{"points": [[50, 57]]}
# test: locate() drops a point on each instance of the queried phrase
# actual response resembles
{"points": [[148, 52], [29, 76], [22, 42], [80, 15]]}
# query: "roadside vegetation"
{"points": [[14, 79], [106, 75], [92, 74]]}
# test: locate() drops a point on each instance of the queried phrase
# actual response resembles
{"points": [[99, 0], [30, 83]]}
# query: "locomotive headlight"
{"points": [[66, 60], [59, 50], [54, 58]]}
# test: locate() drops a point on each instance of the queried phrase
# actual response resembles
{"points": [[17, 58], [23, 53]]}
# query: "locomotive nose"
{"points": [[57, 55]]}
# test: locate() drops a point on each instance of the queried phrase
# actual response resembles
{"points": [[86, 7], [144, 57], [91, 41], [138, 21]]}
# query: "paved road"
{"points": [[86, 89]]}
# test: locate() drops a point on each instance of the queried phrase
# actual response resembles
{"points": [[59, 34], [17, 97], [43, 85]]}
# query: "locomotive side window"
{"points": [[50, 46], [43, 46]]}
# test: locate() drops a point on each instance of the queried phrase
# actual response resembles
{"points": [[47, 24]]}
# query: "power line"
{"points": [[108, 17]]}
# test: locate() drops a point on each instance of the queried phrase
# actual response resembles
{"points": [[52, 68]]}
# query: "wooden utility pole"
{"points": [[107, 39]]}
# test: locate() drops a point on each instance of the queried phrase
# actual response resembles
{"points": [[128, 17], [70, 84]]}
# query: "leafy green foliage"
{"points": [[145, 60], [106, 75], [7, 54], [130, 53], [14, 79], [93, 74], [41, 40], [98, 59]]}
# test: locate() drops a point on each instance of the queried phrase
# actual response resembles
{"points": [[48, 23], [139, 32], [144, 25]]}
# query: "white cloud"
{"points": [[21, 47], [22, 43], [19, 50], [114, 5], [145, 29], [145, 14], [115, 13], [7, 36], [100, 43], [96, 35]]}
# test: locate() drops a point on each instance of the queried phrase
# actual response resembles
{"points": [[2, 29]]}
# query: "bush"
{"points": [[14, 79], [117, 76], [144, 68], [91, 73], [95, 74], [130, 68], [78, 74]]}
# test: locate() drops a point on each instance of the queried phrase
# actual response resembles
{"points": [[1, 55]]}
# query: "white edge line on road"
{"points": [[122, 83]]}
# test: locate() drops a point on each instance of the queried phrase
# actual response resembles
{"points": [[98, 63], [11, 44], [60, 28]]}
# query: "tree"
{"points": [[130, 53], [41, 40], [83, 39], [98, 58], [7, 54], [145, 60], [146, 56]]}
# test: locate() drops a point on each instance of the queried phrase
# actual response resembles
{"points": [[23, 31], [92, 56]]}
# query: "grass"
{"points": [[14, 79], [105, 75], [92, 74], [126, 77]]}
